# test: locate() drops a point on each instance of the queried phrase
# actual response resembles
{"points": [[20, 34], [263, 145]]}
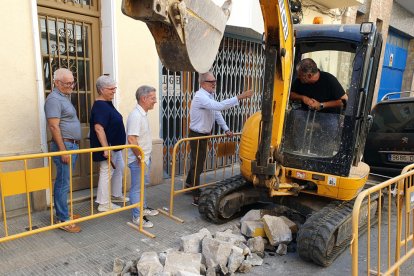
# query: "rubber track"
{"points": [[210, 198], [319, 231], [315, 235]]}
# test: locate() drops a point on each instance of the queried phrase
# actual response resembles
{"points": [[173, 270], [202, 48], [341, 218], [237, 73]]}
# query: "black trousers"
{"points": [[197, 158]]}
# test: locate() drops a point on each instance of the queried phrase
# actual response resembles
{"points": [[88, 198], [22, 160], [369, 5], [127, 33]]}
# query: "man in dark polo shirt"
{"points": [[322, 99], [65, 128], [317, 90]]}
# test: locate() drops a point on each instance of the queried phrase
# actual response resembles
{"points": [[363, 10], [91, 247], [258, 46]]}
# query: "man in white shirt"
{"points": [[139, 133], [204, 112]]}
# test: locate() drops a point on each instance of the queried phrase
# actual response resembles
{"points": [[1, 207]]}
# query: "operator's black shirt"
{"points": [[326, 89]]}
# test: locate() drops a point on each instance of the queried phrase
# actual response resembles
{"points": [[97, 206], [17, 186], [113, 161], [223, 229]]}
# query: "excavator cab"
{"points": [[330, 143]]}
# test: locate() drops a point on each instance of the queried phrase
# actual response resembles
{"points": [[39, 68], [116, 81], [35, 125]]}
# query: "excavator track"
{"points": [[210, 198], [318, 239]]}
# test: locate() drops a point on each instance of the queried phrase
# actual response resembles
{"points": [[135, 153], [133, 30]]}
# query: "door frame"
{"points": [[96, 62]]}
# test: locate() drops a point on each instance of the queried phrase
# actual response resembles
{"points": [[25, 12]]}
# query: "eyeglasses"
{"points": [[68, 84], [211, 81], [111, 88]]}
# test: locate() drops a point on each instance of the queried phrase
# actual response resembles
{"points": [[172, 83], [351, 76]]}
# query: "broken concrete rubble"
{"points": [[224, 253]]}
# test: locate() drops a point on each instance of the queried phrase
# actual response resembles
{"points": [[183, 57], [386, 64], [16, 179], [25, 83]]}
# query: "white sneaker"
{"points": [[150, 212], [106, 207], [119, 199], [146, 224]]}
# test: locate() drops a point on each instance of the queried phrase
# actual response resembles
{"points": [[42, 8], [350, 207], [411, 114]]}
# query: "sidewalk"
{"points": [[93, 250]]}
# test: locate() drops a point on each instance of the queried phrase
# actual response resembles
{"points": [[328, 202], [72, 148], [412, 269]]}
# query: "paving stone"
{"points": [[276, 230], [184, 262]]}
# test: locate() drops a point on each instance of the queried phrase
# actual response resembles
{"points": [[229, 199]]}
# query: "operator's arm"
{"points": [[54, 128], [100, 133], [338, 96], [298, 97]]}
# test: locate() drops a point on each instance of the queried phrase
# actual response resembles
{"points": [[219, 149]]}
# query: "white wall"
{"points": [[19, 102], [138, 64]]}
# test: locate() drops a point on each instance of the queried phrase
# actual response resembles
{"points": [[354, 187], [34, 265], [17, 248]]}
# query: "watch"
{"points": [[320, 106]]}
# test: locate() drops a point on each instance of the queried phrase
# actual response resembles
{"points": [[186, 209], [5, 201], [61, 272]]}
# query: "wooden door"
{"points": [[72, 40]]}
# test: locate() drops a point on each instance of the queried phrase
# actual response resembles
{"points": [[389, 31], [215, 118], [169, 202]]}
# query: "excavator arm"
{"points": [[187, 35], [279, 54]]}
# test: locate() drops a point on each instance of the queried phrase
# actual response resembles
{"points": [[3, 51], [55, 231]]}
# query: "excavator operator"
{"points": [[322, 99], [317, 90]]}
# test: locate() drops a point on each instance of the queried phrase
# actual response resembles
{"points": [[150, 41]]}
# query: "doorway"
{"points": [[70, 38]]}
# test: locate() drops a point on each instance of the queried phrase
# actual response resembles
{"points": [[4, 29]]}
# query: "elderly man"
{"points": [[204, 112], [65, 128], [139, 133]]}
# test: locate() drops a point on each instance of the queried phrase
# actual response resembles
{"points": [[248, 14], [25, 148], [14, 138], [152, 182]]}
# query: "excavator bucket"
{"points": [[187, 33]]}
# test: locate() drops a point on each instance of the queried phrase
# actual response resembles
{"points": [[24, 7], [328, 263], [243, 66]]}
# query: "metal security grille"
{"points": [[65, 43], [239, 66]]}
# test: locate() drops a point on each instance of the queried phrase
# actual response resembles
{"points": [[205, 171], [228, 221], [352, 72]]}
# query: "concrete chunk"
{"points": [[184, 262], [246, 249], [256, 245], [252, 215], [282, 249], [245, 267], [149, 264], [192, 243], [254, 259], [228, 236], [235, 259], [211, 271], [216, 252], [253, 228], [118, 266], [186, 273], [276, 230], [292, 226]]}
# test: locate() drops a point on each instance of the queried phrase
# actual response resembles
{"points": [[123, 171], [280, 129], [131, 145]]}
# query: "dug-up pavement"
{"points": [[109, 238]]}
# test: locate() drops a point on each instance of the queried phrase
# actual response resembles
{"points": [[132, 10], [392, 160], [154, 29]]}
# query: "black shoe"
{"points": [[195, 201]]}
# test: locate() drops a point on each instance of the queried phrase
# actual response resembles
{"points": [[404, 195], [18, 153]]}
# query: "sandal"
{"points": [[71, 228]]}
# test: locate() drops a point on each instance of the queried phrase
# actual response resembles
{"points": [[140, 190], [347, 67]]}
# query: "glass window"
{"points": [[338, 63], [393, 118]]}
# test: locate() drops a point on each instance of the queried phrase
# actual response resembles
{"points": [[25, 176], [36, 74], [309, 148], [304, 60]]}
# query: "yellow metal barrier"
{"points": [[225, 148], [35, 179], [396, 197]]}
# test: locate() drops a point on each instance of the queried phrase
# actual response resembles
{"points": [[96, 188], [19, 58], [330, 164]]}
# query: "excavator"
{"points": [[287, 155]]}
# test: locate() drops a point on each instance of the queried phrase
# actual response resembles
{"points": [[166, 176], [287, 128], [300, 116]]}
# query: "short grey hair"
{"points": [[307, 66], [104, 82], [202, 77], [143, 91], [59, 73]]}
